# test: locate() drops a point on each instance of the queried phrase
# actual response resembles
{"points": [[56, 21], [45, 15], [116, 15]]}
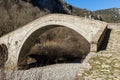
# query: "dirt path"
{"points": [[106, 65]]}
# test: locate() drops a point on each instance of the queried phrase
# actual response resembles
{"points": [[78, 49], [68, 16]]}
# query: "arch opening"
{"points": [[3, 55], [52, 44]]}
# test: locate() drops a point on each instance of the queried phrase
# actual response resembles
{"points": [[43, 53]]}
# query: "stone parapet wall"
{"points": [[97, 40]]}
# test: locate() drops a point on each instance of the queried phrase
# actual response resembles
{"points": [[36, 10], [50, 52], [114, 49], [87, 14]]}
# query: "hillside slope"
{"points": [[111, 15], [16, 13]]}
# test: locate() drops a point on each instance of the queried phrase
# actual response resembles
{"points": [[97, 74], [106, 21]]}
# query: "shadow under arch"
{"points": [[3, 55], [30, 41]]}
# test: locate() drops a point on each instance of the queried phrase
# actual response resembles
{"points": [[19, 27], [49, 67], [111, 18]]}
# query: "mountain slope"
{"points": [[111, 15]]}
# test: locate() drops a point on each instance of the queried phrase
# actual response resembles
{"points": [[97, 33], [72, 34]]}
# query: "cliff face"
{"points": [[53, 6]]}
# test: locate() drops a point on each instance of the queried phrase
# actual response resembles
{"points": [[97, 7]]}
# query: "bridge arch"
{"points": [[90, 30], [29, 39]]}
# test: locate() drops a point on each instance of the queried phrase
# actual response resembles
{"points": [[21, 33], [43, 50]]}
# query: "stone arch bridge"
{"points": [[93, 31]]}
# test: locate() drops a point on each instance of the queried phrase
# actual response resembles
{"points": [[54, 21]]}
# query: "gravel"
{"points": [[52, 72]]}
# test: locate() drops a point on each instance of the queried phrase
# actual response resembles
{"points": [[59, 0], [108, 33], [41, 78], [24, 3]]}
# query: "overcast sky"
{"points": [[95, 4]]}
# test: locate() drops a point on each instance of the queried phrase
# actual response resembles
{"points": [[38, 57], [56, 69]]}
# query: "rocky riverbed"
{"points": [[52, 72]]}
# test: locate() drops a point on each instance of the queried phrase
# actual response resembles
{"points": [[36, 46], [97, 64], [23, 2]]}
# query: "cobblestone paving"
{"points": [[106, 64]]}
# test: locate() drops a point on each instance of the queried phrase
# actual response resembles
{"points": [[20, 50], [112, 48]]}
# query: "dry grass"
{"points": [[65, 38], [13, 15]]}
